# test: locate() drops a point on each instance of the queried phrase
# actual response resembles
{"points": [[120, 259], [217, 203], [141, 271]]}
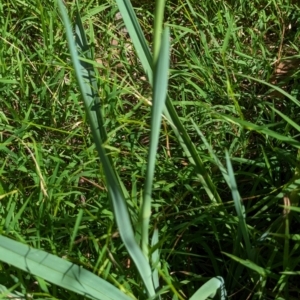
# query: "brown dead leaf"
{"points": [[285, 68]]}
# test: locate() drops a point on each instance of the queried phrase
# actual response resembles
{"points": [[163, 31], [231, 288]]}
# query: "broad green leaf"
{"points": [[210, 289], [91, 86], [57, 271]]}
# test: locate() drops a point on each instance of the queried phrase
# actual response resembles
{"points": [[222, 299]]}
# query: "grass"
{"points": [[234, 84]]}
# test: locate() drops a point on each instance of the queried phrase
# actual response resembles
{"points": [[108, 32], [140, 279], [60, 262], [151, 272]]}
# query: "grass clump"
{"points": [[223, 198]]}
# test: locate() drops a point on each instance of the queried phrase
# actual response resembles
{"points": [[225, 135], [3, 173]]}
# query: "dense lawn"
{"points": [[234, 83]]}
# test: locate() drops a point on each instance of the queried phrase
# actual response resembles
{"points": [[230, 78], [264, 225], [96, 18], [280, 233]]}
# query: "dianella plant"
{"points": [[141, 241]]}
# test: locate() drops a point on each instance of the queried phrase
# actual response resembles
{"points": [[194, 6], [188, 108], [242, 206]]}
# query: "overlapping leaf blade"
{"points": [[143, 52], [115, 192], [160, 88]]}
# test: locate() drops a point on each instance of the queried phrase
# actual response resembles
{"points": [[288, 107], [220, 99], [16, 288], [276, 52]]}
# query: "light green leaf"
{"points": [[159, 97], [57, 271], [155, 259], [158, 22], [8, 81], [210, 289]]}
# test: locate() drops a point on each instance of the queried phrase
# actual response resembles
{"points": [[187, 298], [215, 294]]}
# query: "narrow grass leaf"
{"points": [[160, 88], [91, 84], [251, 265], [8, 81], [297, 273], [158, 22], [94, 11], [6, 293], [155, 259], [75, 229], [289, 96], [286, 118], [212, 154], [262, 130], [20, 212], [239, 207], [228, 33], [57, 271], [120, 208], [192, 154], [137, 35], [143, 52]]}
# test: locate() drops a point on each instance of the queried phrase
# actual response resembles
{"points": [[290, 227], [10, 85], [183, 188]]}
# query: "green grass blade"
{"points": [[228, 33], [75, 229], [8, 81], [159, 97], [20, 212], [239, 207], [57, 271], [143, 52], [6, 293], [91, 86], [191, 152], [212, 154], [137, 35], [286, 118], [251, 265], [210, 289], [155, 259], [278, 89], [115, 192], [262, 129], [158, 22]]}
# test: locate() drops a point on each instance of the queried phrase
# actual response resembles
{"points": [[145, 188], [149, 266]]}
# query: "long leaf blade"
{"points": [[239, 207], [143, 52], [137, 35], [160, 88], [91, 86], [57, 271], [117, 198]]}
